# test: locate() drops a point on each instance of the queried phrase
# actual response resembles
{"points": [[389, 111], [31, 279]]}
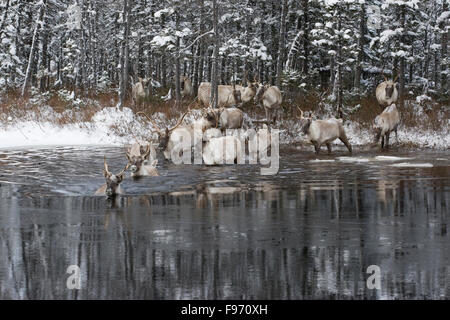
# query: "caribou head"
{"points": [[260, 92], [390, 85], [135, 161], [164, 134], [146, 83], [305, 121], [112, 185]]}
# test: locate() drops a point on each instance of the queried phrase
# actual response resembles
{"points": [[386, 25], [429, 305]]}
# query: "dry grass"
{"points": [[13, 105]]}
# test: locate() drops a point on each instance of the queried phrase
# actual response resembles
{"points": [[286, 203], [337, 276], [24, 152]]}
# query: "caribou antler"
{"points": [[396, 77], [151, 120], [124, 169], [179, 121], [301, 112], [106, 169]]}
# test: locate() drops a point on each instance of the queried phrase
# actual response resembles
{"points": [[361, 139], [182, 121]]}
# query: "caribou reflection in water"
{"points": [[303, 234]]}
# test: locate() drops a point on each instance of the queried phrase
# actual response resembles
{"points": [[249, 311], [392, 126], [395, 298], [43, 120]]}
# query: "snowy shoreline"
{"points": [[114, 127]]}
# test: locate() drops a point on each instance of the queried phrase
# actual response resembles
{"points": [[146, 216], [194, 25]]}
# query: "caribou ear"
{"points": [[154, 163]]}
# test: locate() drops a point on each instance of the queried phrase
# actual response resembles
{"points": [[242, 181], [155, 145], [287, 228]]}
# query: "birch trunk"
{"points": [[26, 82]]}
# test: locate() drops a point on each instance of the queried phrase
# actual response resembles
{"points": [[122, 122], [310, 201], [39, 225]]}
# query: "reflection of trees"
{"points": [[267, 242]]}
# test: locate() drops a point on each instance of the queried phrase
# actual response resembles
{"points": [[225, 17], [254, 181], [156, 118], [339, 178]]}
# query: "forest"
{"points": [[318, 52]]}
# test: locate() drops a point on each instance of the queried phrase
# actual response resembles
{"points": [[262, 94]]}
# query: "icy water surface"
{"points": [[226, 232]]}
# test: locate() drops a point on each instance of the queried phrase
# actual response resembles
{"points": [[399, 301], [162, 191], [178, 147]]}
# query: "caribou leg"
{"points": [[267, 115], [382, 142], [316, 147], [347, 144], [396, 135], [387, 140], [329, 147]]}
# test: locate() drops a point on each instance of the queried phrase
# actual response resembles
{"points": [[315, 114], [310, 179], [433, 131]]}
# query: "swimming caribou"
{"points": [[111, 187], [180, 138], [138, 156]]}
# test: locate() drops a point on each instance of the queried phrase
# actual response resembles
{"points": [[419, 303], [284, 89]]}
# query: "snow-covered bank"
{"points": [[112, 126], [360, 135], [34, 133]]}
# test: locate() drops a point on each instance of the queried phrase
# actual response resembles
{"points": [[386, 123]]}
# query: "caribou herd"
{"points": [[207, 133]]}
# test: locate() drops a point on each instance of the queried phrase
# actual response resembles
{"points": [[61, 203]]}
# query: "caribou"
{"points": [[322, 132], [221, 150], [270, 98], [228, 96], [384, 124], [140, 91], [186, 87], [387, 92], [248, 92], [175, 139], [111, 188], [138, 155], [231, 118]]}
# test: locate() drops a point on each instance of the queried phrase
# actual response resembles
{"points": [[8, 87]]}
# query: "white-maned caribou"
{"points": [[384, 124], [387, 92], [270, 98], [322, 132], [140, 91]]}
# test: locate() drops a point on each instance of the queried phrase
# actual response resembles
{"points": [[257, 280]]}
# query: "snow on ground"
{"points": [[321, 161], [108, 127], [112, 126], [412, 165], [353, 159], [389, 158]]}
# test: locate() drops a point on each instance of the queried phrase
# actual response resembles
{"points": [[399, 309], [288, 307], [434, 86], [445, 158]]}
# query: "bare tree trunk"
{"points": [[27, 80], [126, 56], [281, 44], [339, 89], [215, 75], [5, 14], [305, 37], [177, 66], [94, 54], [201, 45], [402, 59], [444, 57], [359, 61]]}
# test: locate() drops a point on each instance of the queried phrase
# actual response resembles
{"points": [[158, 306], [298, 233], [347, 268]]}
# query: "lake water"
{"points": [[226, 232]]}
